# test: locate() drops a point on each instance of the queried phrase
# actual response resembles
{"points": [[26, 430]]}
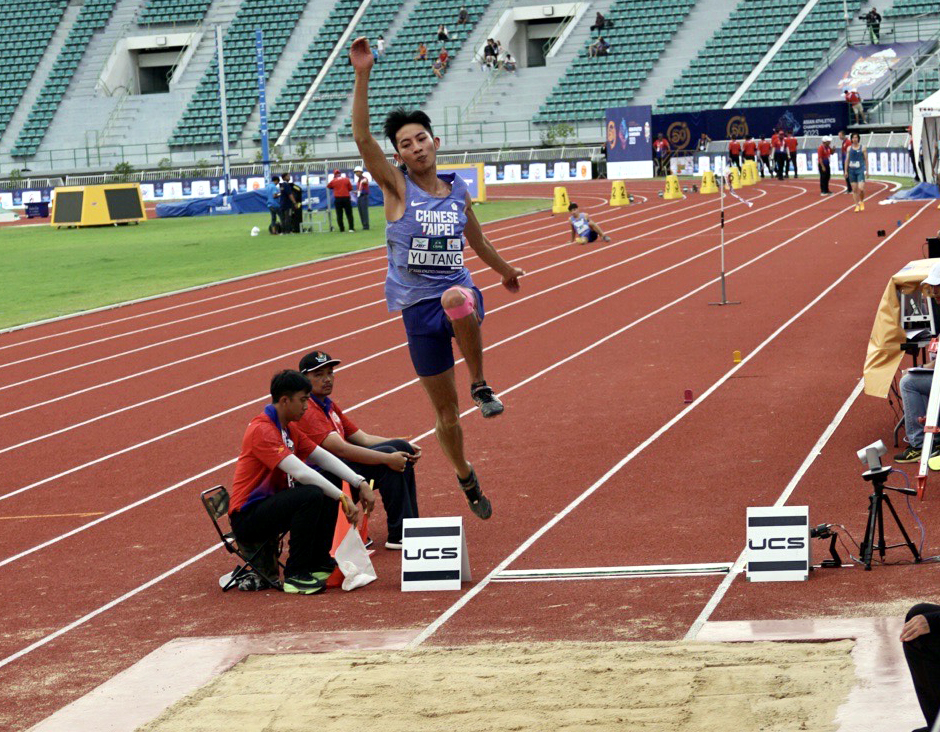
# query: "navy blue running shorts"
{"points": [[430, 332]]}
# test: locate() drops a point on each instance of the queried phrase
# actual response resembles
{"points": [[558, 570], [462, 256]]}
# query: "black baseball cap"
{"points": [[317, 360]]}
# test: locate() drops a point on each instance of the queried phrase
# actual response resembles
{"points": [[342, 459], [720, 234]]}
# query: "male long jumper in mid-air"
{"points": [[429, 221]]}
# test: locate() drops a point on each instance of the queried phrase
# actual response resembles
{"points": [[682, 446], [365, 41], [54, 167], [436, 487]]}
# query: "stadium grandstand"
{"points": [[103, 83]]}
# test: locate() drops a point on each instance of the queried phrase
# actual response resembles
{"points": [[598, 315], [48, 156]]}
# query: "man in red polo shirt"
{"points": [[342, 200], [387, 461], [779, 144], [763, 147], [854, 100], [749, 148], [845, 143], [822, 154], [792, 144], [734, 152], [661, 154], [274, 489]]}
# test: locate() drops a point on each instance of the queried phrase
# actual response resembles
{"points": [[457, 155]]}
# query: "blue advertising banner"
{"points": [[262, 104], [629, 133], [861, 68], [684, 129]]}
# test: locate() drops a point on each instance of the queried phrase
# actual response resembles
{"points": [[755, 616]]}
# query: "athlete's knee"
{"points": [[458, 302], [448, 417]]}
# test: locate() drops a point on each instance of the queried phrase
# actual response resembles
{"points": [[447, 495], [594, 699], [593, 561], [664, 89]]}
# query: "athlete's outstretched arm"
{"points": [[386, 175], [487, 252]]}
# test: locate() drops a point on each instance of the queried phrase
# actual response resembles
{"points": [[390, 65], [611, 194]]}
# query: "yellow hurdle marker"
{"points": [[672, 191], [736, 357], [735, 175], [749, 173], [618, 194], [708, 183], [560, 202]]}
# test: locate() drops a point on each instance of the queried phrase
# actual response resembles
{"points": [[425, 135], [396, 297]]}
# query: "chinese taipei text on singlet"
{"points": [[426, 245]]}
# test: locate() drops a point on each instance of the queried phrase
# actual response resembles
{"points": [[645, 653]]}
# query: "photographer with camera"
{"points": [[873, 21]]}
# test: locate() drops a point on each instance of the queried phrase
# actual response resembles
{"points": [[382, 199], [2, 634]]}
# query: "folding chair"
{"points": [[215, 501]]}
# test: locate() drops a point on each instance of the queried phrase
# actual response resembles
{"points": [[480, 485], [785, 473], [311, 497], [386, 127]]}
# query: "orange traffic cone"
{"points": [[339, 533]]}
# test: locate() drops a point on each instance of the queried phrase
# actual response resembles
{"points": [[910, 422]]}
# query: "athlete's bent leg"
{"points": [[459, 306]]}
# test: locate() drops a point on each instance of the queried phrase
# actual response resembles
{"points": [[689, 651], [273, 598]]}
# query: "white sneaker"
{"points": [[393, 545]]}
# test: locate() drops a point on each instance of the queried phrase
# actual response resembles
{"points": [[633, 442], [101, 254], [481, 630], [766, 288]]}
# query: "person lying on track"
{"points": [[386, 461], [583, 230], [275, 490], [429, 221]]}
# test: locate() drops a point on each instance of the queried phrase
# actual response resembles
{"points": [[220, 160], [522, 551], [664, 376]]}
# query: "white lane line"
{"points": [[474, 591], [434, 626], [207, 285], [267, 298], [295, 326], [487, 227], [738, 566], [104, 608], [513, 303], [298, 306], [508, 390]]}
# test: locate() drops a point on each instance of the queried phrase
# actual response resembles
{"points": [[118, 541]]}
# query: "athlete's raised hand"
{"points": [[511, 280], [360, 55]]}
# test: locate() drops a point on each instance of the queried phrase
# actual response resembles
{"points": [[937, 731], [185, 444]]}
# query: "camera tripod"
{"points": [[877, 500]]}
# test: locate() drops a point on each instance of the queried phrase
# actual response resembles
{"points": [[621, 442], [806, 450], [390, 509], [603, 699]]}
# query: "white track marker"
{"points": [[582, 573], [476, 589]]}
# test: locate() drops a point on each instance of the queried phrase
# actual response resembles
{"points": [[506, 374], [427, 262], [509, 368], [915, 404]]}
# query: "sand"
{"points": [[674, 687]]}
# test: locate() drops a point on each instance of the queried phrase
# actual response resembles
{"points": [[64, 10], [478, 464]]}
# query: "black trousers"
{"points": [[296, 219], [780, 162], [398, 490], [363, 205], [923, 660], [344, 204], [791, 160], [910, 152], [286, 221], [274, 215], [765, 163], [735, 160], [306, 512], [824, 175]]}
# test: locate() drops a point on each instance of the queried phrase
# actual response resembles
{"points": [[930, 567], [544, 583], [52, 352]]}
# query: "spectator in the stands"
{"points": [[509, 64], [873, 20], [489, 55], [854, 100], [763, 149], [792, 145], [380, 45], [703, 142], [600, 22], [463, 16], [422, 54], [442, 34], [600, 47], [437, 66], [443, 57], [734, 152]]}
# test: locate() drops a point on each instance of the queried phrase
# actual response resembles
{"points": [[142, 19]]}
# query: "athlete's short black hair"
{"points": [[399, 117], [572, 206], [288, 383]]}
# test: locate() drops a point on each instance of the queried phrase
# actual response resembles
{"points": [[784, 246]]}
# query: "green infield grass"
{"points": [[45, 272]]}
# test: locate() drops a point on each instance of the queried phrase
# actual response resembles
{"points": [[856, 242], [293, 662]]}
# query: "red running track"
{"points": [[113, 422]]}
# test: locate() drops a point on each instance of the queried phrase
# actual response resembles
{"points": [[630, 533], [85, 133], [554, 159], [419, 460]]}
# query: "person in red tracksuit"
{"points": [[846, 143], [763, 147], [734, 152], [749, 148], [778, 143], [792, 145]]}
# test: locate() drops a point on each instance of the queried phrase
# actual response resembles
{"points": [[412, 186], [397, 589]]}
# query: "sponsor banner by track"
{"points": [[525, 172]]}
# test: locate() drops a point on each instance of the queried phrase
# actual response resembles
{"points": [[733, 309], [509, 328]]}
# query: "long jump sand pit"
{"points": [[640, 687]]}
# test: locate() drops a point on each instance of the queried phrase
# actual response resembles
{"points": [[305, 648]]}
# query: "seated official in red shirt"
{"points": [[342, 198], [275, 490], [389, 462]]}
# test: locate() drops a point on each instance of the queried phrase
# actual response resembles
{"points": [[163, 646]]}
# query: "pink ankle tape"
{"points": [[464, 309]]}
